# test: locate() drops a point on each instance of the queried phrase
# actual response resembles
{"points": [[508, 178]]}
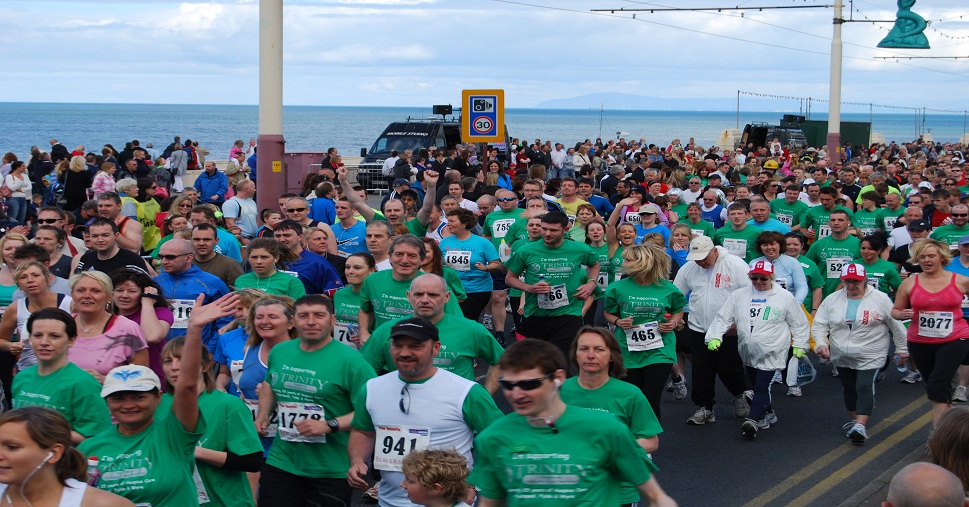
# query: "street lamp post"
{"points": [[834, 97]]}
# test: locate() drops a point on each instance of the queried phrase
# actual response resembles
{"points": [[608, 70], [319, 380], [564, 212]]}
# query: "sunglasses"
{"points": [[758, 278], [47, 220], [170, 257], [295, 210], [526, 385], [507, 199], [405, 395], [959, 214]]}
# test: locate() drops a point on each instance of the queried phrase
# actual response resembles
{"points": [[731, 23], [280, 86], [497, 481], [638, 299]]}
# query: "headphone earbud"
{"points": [[49, 456], [557, 382]]}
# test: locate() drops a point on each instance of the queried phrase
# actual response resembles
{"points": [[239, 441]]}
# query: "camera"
{"points": [[482, 105]]}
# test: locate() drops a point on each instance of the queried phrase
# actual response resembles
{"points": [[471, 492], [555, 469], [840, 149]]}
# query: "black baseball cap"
{"points": [[919, 225], [416, 328]]}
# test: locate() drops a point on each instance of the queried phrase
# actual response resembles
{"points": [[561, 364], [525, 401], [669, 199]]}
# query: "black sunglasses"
{"points": [[170, 257], [47, 220], [295, 210], [526, 385], [405, 394], [507, 199], [757, 278]]}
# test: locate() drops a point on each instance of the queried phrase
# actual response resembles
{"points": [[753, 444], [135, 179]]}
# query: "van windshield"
{"points": [[414, 141]]}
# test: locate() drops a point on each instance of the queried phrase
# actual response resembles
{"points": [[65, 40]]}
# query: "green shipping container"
{"points": [[855, 132]]}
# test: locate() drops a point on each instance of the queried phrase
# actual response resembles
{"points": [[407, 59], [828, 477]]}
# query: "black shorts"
{"points": [[498, 277]]}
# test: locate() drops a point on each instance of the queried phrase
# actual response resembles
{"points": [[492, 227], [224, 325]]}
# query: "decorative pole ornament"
{"points": [[907, 32]]}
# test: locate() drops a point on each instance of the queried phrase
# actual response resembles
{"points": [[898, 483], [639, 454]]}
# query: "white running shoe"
{"points": [[679, 389], [778, 379], [912, 377], [857, 434], [749, 429], [702, 416], [960, 394], [794, 391]]}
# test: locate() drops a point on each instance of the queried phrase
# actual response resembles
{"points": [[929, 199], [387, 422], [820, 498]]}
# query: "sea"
{"points": [[316, 128]]}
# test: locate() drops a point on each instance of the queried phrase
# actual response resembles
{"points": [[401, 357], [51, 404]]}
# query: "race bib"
{"points": [[235, 370], [602, 280], [935, 324], [499, 229], [872, 282], [395, 442], [824, 231], [787, 220], [182, 309], [867, 231], [644, 337], [253, 406], [835, 264], [458, 260], [696, 233], [965, 301], [291, 413], [737, 247], [890, 223], [782, 282], [633, 217], [203, 495], [556, 298], [571, 220], [343, 331]]}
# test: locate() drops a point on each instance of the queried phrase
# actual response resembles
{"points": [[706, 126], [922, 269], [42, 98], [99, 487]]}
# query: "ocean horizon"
{"points": [[350, 128]]}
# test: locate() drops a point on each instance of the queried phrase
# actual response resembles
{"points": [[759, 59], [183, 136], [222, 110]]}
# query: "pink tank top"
{"points": [[938, 315]]}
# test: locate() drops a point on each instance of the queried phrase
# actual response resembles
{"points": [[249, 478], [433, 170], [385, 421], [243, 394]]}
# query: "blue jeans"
{"points": [[17, 208], [761, 381]]}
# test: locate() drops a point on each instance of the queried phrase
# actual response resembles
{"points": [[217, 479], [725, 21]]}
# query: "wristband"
{"points": [[147, 295]]}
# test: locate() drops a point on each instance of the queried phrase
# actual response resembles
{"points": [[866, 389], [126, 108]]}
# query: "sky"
{"points": [[421, 52]]}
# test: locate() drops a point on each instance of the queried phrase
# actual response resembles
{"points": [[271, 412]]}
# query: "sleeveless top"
{"points": [[71, 497], [938, 315], [27, 357]]}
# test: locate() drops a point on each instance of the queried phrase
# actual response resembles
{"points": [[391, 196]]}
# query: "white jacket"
{"points": [[765, 323], [864, 345], [709, 293]]}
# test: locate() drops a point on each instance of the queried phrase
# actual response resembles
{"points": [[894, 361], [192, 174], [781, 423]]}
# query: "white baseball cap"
{"points": [[700, 247], [130, 377]]}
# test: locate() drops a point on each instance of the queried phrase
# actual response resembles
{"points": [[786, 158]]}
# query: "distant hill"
{"points": [[616, 101]]}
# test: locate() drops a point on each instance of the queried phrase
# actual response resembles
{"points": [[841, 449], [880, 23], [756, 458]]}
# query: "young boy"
{"points": [[436, 478]]}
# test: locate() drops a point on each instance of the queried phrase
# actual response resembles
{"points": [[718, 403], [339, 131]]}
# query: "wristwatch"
{"points": [[333, 424]]}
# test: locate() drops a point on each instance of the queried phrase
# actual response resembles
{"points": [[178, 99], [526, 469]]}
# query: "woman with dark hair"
{"points": [[434, 263], [139, 298], [42, 465], [264, 255], [949, 443], [230, 446], [53, 239], [346, 301], [596, 355], [882, 275], [148, 210], [473, 257], [20, 188], [57, 383], [34, 279], [496, 175]]}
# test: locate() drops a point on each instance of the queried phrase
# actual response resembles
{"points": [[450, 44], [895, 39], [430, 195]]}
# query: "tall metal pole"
{"points": [[271, 145], [738, 109], [834, 91]]}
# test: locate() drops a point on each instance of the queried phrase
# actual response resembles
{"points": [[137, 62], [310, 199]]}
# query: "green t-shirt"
{"points": [[816, 218], [584, 461], [498, 223], [831, 255], [882, 276], [680, 209], [386, 297], [346, 305], [622, 400], [814, 279], [454, 283], [279, 284], [229, 429], [605, 267], [788, 214], [517, 231], [73, 392], [643, 344], [462, 341], [513, 292], [560, 267], [319, 383], [414, 225], [950, 234], [701, 228], [153, 467], [615, 265], [887, 217], [742, 243], [866, 221]]}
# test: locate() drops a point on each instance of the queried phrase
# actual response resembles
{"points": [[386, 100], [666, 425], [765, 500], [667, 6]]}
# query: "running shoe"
{"points": [[679, 389], [794, 391], [487, 321], [912, 377], [702, 416], [857, 434], [749, 429], [960, 394], [847, 427], [500, 336], [370, 495], [879, 376], [834, 371], [741, 407], [769, 418], [669, 385], [749, 396], [778, 378]]}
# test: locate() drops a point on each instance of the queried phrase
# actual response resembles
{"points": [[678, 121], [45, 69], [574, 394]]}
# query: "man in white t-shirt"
{"points": [[241, 210]]}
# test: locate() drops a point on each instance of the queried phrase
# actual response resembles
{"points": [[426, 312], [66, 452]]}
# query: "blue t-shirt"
{"points": [[316, 273], [323, 209], [253, 374], [641, 232], [956, 267], [230, 347], [350, 240], [772, 224], [461, 256]]}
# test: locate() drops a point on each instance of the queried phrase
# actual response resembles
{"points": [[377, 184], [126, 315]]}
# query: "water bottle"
{"points": [[93, 473], [900, 364]]}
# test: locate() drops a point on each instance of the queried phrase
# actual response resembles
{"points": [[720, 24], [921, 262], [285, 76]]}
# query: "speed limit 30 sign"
{"points": [[483, 115]]}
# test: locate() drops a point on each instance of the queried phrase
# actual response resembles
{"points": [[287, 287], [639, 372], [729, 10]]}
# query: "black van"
{"points": [[415, 135], [789, 133]]}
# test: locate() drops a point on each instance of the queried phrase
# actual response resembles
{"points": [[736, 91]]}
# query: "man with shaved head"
{"points": [[182, 282], [394, 208], [925, 485], [462, 340]]}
